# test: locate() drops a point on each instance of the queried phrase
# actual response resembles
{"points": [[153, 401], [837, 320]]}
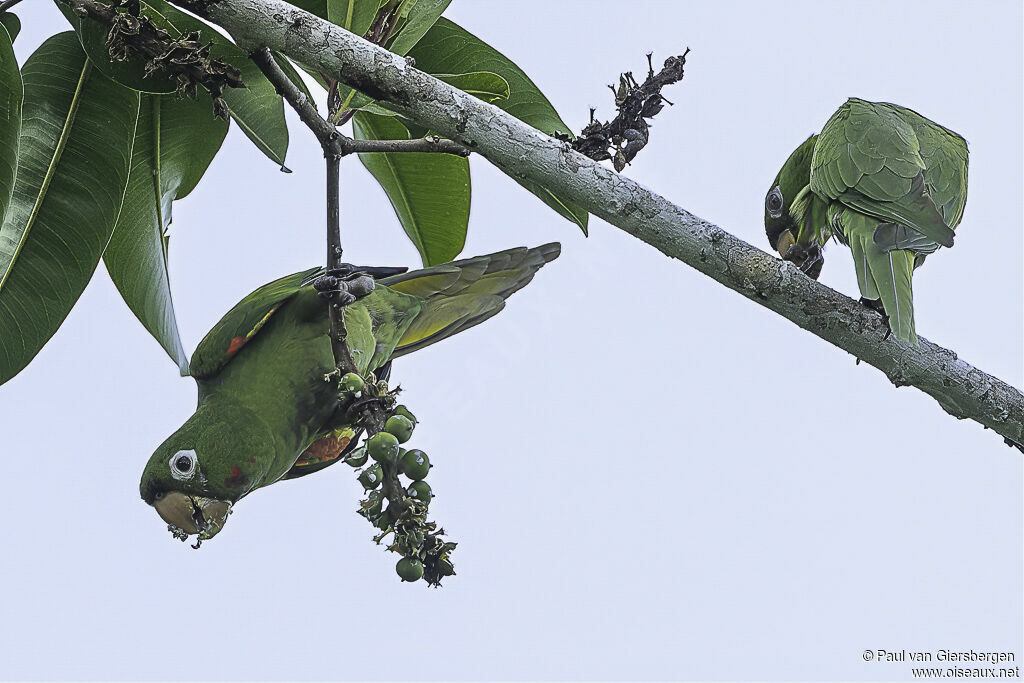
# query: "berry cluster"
{"points": [[424, 554]]}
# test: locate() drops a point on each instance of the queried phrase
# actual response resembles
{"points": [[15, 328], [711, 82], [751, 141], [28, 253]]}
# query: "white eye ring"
{"points": [[773, 202], [183, 464]]}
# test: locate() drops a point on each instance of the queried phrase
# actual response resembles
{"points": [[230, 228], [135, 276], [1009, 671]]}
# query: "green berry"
{"points": [[352, 383], [409, 568], [420, 490], [357, 458], [371, 477], [404, 412], [400, 426], [383, 447], [415, 464]]}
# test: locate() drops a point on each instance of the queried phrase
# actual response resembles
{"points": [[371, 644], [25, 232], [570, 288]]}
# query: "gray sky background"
{"points": [[753, 506]]}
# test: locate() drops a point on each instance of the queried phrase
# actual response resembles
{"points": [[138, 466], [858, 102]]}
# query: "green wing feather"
{"points": [[870, 159], [945, 156], [461, 294], [241, 323], [404, 313]]}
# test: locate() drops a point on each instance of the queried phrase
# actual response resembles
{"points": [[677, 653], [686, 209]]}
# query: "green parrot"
{"points": [[881, 179], [265, 411]]}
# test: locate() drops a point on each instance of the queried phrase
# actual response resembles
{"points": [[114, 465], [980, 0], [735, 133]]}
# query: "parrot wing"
{"points": [[461, 294], [945, 156], [242, 322], [869, 158]]}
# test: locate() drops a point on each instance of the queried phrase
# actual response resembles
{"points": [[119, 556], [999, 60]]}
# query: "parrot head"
{"points": [[782, 219], [205, 467]]}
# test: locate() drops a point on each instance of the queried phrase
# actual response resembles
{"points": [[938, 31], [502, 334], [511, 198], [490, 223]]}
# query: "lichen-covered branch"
{"points": [[521, 151]]}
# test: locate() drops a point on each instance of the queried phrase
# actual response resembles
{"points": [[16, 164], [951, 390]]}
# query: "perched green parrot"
{"points": [[266, 412], [883, 180]]}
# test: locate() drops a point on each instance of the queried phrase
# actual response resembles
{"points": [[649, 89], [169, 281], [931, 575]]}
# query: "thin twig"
{"points": [[339, 336], [330, 138], [431, 143], [370, 415]]}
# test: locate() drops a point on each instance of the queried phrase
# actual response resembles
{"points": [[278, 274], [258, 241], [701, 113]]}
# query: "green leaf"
{"points": [[76, 142], [175, 141], [292, 74], [447, 48], [354, 15], [422, 14], [130, 73], [317, 7], [10, 22], [429, 192], [11, 95], [488, 86]]}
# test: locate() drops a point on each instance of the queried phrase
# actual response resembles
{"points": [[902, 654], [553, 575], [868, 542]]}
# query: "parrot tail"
{"points": [[461, 294], [881, 274]]}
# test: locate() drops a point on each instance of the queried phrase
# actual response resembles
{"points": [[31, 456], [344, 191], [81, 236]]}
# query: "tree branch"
{"points": [[7, 5], [521, 151], [330, 138]]}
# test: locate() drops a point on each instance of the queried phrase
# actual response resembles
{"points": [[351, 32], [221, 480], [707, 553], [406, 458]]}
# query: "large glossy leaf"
{"points": [[175, 141], [353, 15], [130, 73], [10, 22], [75, 153], [293, 75], [11, 93], [317, 7], [429, 192], [420, 16], [447, 48], [488, 86]]}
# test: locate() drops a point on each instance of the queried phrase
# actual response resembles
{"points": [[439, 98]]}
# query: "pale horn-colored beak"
{"points": [[193, 514], [786, 240]]}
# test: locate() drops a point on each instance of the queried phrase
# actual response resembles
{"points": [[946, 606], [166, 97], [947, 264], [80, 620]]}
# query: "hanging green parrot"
{"points": [[883, 180], [266, 412]]}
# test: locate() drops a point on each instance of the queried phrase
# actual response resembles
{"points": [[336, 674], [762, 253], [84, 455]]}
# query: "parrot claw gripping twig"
{"points": [[344, 284]]}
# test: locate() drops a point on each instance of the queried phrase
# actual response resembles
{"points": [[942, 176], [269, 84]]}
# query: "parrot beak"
{"points": [[807, 258], [786, 241], [193, 514]]}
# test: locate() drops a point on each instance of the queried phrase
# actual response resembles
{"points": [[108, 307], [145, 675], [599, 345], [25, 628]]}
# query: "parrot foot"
{"points": [[344, 285], [809, 259], [876, 305]]}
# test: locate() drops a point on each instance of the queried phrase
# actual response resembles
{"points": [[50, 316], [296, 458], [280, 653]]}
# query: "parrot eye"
{"points": [[773, 202], [183, 464]]}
